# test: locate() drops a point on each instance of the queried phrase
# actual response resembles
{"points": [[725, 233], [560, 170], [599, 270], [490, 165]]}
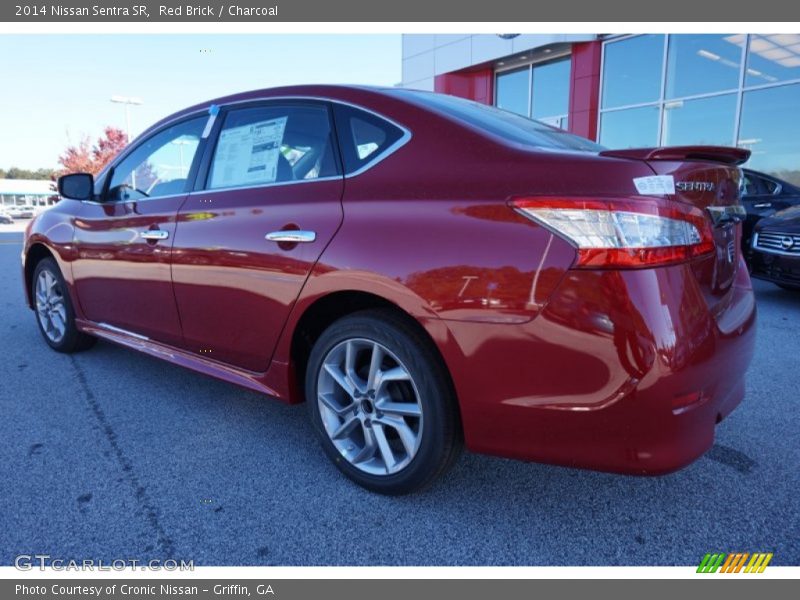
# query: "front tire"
{"points": [[55, 314], [382, 403]]}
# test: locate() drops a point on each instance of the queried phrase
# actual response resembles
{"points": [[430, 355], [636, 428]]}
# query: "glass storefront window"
{"points": [[703, 121], [629, 128], [770, 129], [632, 70], [701, 64], [551, 89], [773, 58], [512, 91], [707, 95]]}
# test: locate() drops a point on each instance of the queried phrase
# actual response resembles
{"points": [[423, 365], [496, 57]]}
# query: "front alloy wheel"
{"points": [[382, 403], [54, 313], [50, 307]]}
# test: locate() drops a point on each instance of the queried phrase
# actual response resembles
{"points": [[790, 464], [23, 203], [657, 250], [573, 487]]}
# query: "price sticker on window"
{"points": [[655, 185]]}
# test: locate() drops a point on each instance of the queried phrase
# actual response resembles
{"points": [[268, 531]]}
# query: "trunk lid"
{"points": [[707, 177]]}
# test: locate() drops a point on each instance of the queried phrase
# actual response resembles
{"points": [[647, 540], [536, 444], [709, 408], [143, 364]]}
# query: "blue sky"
{"points": [[56, 88]]}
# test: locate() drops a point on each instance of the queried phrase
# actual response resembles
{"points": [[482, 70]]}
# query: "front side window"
{"points": [[273, 144], [159, 166]]}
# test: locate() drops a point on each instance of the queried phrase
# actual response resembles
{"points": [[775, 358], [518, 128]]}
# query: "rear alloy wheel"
{"points": [[54, 312], [381, 403]]}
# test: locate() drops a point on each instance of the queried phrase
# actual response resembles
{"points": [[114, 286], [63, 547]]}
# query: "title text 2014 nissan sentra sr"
{"points": [[425, 271]]}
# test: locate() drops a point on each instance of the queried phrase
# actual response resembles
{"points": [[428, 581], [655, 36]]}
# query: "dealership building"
{"points": [[26, 192], [631, 90]]}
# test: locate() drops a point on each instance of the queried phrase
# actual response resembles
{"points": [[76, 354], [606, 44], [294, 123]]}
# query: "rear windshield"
{"points": [[501, 123]]}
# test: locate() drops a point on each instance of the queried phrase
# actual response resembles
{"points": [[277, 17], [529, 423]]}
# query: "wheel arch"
{"points": [[35, 254], [326, 309]]}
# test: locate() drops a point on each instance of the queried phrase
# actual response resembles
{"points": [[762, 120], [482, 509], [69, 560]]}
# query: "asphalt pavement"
{"points": [[110, 454]]}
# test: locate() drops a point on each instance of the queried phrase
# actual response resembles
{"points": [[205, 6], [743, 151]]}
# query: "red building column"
{"points": [[584, 89], [475, 85]]}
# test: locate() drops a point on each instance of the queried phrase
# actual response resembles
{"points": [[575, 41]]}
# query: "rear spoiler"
{"points": [[720, 154]]}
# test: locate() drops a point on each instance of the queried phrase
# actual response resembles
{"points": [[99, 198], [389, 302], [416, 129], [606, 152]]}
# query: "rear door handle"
{"points": [[154, 234], [293, 236]]}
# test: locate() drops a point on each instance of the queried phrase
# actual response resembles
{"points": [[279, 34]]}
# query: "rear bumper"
{"points": [[625, 371], [777, 268]]}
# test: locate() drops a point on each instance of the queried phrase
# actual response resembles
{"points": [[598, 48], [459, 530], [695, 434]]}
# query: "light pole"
{"points": [[127, 101], [181, 143]]}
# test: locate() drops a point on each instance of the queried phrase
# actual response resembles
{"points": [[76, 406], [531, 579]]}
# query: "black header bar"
{"points": [[452, 11], [398, 589]]}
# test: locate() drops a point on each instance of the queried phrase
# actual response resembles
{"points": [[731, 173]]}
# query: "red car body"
{"points": [[618, 369]]}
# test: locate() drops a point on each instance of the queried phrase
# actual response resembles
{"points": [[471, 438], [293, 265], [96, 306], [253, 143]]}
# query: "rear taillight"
{"points": [[623, 233]]}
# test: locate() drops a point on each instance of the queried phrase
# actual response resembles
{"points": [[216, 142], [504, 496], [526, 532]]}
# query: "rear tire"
{"points": [[55, 314], [382, 403]]}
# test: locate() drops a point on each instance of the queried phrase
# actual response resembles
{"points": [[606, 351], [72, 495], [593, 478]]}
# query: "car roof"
{"points": [[336, 92]]}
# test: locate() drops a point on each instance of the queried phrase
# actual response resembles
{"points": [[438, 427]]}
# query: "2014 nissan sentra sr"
{"points": [[423, 270]]}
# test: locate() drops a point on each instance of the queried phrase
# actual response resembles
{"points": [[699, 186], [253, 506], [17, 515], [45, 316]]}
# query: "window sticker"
{"points": [[248, 154], [655, 185]]}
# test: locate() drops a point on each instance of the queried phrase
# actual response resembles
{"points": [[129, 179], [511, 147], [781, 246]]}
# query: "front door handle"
{"points": [[154, 234], [292, 236]]}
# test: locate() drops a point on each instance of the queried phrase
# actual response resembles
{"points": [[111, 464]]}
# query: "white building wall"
{"points": [[14, 192], [24, 187], [427, 55]]}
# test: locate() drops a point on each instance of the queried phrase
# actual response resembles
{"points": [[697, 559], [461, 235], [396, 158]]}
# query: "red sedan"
{"points": [[424, 270]]}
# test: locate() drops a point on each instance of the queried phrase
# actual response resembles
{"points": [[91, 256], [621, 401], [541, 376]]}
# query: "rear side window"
{"points": [[771, 187], [364, 138], [273, 144]]}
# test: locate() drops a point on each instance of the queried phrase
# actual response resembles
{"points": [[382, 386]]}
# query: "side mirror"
{"points": [[76, 186]]}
